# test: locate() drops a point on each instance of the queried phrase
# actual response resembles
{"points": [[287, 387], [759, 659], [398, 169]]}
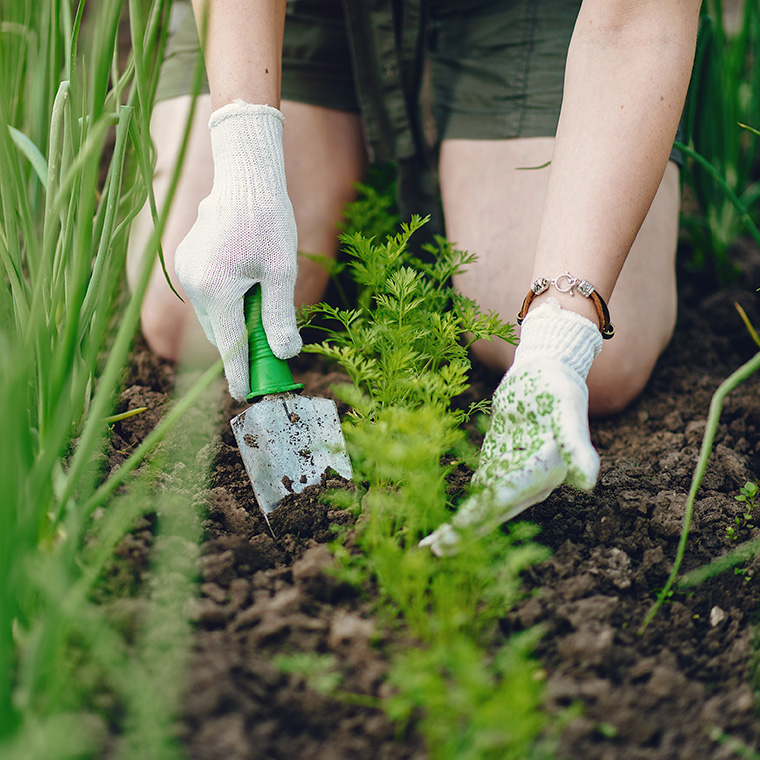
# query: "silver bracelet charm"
{"points": [[584, 287], [567, 283]]}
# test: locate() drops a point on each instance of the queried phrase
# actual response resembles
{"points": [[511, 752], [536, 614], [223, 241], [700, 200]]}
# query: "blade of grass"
{"points": [[751, 129], [96, 283], [737, 556], [32, 152], [716, 406], [125, 415], [750, 327], [744, 215], [93, 426]]}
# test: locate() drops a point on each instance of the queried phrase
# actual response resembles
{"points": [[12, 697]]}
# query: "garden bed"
{"points": [[665, 694]]}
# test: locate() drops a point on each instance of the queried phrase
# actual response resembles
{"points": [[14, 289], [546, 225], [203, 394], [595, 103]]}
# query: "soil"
{"points": [[661, 695]]}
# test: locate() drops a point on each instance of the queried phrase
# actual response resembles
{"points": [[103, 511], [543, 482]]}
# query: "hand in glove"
{"points": [[539, 436], [245, 234]]}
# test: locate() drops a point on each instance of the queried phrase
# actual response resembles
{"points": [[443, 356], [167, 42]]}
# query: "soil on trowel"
{"points": [[268, 590]]}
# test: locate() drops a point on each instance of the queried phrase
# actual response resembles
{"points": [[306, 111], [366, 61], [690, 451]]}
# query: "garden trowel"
{"points": [[286, 440]]}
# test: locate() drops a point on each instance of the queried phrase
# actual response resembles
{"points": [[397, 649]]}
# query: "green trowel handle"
{"points": [[268, 373]]}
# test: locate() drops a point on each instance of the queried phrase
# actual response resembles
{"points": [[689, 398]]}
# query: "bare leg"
{"points": [[324, 157], [494, 209], [169, 325]]}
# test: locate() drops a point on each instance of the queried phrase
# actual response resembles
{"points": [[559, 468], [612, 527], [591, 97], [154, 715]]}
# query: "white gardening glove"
{"points": [[539, 435], [245, 234]]}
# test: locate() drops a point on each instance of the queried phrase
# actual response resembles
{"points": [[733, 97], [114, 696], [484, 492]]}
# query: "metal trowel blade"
{"points": [[287, 441]]}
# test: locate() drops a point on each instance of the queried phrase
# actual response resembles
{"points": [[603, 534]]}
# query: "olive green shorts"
{"points": [[477, 69]]}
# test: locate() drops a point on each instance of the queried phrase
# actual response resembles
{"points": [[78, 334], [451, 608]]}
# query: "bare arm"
{"points": [[245, 233], [628, 70], [627, 73], [242, 49]]}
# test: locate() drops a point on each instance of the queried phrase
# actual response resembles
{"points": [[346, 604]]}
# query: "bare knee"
{"points": [[494, 354], [621, 372], [610, 393], [164, 324]]}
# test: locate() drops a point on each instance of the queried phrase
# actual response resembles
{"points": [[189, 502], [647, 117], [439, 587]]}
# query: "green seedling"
{"points": [[607, 730], [748, 494], [320, 673], [744, 572], [732, 744], [317, 670]]}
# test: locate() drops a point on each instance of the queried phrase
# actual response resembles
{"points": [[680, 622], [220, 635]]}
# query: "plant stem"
{"points": [[735, 557], [716, 406]]}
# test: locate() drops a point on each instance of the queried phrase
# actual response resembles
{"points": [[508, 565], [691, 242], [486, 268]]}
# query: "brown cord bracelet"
{"points": [[584, 288]]}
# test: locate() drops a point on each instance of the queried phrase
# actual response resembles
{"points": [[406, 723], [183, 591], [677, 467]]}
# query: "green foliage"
{"points": [[716, 406], [404, 345], [317, 670], [476, 694], [374, 211], [747, 495], [723, 99], [320, 672], [75, 167], [406, 341], [471, 708], [733, 745]]}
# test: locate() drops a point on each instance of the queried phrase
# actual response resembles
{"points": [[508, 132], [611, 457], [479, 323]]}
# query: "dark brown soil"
{"points": [[656, 696]]}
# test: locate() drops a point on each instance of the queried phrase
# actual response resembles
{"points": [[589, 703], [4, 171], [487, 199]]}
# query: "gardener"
{"points": [[350, 75]]}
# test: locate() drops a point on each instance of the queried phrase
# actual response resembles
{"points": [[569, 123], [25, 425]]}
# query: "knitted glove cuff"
{"points": [[246, 143], [239, 108], [550, 332]]}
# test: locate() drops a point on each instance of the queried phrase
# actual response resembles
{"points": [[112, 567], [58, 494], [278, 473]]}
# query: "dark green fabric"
{"points": [[418, 72], [181, 56], [496, 66], [317, 66]]}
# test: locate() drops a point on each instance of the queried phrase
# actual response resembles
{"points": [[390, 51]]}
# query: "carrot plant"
{"points": [[404, 346], [75, 167], [406, 341], [474, 693]]}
